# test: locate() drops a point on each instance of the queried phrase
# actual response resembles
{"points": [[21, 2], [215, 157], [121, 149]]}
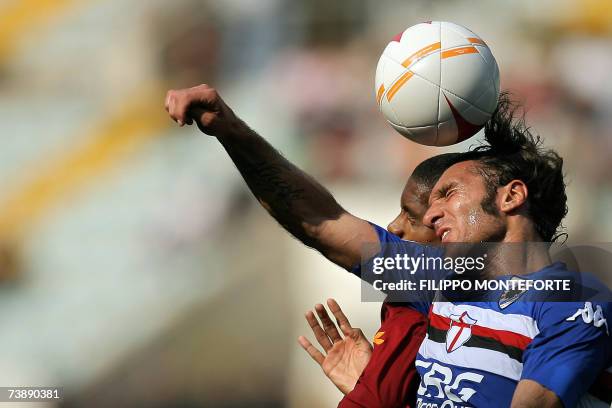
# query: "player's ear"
{"points": [[513, 196]]}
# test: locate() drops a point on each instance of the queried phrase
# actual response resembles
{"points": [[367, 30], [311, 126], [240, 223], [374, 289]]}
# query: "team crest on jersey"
{"points": [[459, 332], [510, 296]]}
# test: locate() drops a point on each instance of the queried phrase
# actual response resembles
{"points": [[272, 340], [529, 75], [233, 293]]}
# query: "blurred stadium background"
{"points": [[135, 268]]}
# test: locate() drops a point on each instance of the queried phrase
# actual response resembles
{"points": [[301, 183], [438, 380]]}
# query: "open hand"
{"points": [[345, 358]]}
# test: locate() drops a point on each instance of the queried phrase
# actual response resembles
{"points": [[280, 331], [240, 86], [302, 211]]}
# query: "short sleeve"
{"points": [[571, 349], [392, 248]]}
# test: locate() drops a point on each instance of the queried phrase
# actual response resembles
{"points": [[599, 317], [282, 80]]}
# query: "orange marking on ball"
{"points": [[379, 94], [459, 51], [398, 84], [421, 53], [475, 40]]}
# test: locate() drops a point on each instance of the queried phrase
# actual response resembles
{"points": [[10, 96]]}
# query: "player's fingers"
{"points": [[187, 105], [328, 325], [171, 102], [181, 106], [167, 101], [311, 350], [178, 104], [319, 333], [341, 318]]}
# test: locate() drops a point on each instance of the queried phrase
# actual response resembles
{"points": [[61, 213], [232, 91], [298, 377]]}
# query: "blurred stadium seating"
{"points": [[136, 270]]}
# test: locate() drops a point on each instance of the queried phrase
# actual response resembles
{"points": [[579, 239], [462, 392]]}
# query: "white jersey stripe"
{"points": [[473, 357], [515, 323]]}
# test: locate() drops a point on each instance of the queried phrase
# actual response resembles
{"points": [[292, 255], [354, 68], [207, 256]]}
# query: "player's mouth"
{"points": [[443, 233]]}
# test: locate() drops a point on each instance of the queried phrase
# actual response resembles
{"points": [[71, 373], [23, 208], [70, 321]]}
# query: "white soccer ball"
{"points": [[437, 83]]}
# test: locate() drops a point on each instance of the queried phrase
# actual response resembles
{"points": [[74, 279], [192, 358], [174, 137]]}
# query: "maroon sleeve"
{"points": [[390, 379]]}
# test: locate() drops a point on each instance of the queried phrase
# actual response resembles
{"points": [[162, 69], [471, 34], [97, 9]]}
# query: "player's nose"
{"points": [[396, 227], [433, 214]]}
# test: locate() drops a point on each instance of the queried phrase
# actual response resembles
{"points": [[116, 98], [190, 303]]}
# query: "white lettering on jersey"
{"points": [[445, 404], [589, 316], [441, 379]]}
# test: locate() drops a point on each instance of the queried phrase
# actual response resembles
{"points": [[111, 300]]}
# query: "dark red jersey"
{"points": [[390, 379]]}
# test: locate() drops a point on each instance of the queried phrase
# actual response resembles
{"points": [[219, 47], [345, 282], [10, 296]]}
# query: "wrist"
{"points": [[236, 130], [345, 388], [345, 384]]}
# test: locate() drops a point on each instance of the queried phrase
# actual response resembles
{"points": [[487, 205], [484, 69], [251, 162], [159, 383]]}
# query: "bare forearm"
{"points": [[300, 204], [530, 394], [297, 201]]}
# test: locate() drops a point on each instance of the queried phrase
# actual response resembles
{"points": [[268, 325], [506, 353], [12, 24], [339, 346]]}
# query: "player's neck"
{"points": [[521, 251], [517, 258], [520, 228]]}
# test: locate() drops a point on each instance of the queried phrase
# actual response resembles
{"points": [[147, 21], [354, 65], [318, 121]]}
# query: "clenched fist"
{"points": [[202, 105]]}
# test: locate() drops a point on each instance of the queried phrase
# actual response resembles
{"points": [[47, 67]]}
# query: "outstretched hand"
{"points": [[345, 358]]}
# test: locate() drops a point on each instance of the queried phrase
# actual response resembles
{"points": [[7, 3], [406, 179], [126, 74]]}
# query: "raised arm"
{"points": [[297, 201]]}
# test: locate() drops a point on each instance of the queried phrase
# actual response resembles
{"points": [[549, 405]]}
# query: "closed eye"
{"points": [[444, 191], [409, 214], [447, 190], [412, 220]]}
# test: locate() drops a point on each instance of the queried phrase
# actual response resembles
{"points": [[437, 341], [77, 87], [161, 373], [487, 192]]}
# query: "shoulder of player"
{"points": [[572, 288], [401, 317]]}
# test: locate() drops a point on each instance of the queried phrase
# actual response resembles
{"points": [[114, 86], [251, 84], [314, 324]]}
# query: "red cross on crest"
{"points": [[459, 331]]}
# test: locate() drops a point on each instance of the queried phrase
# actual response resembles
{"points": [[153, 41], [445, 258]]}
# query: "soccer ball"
{"points": [[437, 83]]}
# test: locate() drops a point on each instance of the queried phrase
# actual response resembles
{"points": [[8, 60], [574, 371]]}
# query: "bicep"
{"points": [[530, 394], [346, 239]]}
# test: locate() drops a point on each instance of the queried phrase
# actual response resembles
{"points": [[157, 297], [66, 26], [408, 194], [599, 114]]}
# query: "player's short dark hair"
{"points": [[428, 172], [512, 152]]}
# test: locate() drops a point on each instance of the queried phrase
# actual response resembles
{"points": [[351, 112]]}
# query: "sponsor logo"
{"points": [[377, 338], [445, 404], [459, 332], [590, 315], [438, 382]]}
